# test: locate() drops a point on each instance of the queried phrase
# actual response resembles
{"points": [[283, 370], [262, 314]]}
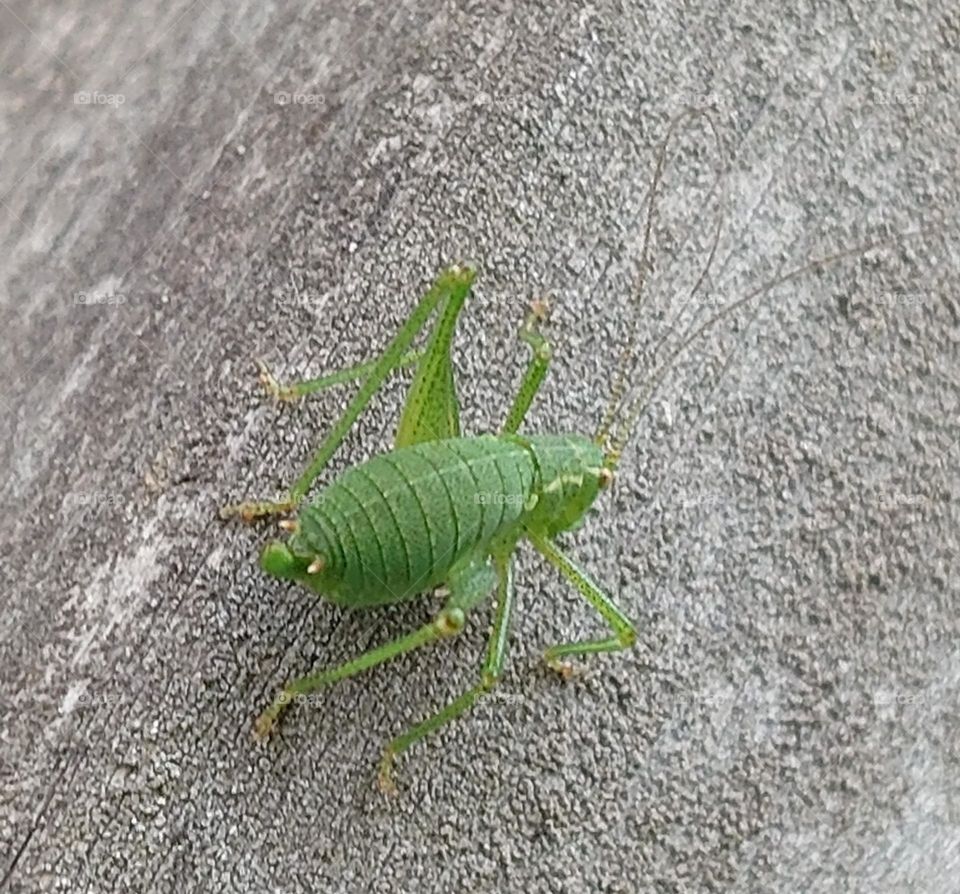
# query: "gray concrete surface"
{"points": [[245, 179]]}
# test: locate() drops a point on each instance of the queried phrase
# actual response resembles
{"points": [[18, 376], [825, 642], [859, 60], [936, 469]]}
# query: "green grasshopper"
{"points": [[439, 509], [447, 509]]}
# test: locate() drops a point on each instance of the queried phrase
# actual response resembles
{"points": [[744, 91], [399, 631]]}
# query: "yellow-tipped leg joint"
{"points": [[540, 309]]}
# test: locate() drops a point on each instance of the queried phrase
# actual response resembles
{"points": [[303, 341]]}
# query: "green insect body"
{"points": [[402, 522], [443, 508], [440, 508]]}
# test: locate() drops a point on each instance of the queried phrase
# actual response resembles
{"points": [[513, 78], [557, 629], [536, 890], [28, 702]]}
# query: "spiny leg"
{"points": [[451, 285], [450, 621], [431, 411], [536, 368], [293, 391], [489, 674], [625, 634]]}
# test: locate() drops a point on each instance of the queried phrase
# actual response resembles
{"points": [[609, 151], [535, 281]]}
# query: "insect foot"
{"points": [[265, 724], [385, 774], [567, 669], [540, 309], [273, 387], [251, 512]]}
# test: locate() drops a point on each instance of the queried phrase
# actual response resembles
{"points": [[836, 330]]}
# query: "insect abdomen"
{"points": [[393, 526]]}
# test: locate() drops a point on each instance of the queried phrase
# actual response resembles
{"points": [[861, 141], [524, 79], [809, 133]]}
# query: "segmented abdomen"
{"points": [[393, 526]]}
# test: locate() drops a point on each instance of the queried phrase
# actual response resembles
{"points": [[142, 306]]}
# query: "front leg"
{"points": [[625, 634], [536, 368]]}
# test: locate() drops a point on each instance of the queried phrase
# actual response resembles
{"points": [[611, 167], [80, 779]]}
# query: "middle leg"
{"points": [[449, 622], [291, 392], [489, 674]]}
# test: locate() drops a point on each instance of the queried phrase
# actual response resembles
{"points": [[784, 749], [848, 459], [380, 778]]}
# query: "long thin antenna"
{"points": [[642, 401], [711, 255], [618, 388]]}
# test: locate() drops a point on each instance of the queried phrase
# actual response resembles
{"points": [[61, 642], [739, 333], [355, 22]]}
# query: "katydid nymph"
{"points": [[445, 509]]}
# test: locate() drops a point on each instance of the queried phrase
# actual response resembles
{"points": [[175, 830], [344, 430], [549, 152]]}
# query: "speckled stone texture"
{"points": [[186, 186]]}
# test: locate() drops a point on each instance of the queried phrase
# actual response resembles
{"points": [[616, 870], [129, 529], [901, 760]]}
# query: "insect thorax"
{"points": [[570, 474]]}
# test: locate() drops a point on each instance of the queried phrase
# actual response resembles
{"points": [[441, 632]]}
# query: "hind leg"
{"points": [[293, 391], [447, 623], [451, 287]]}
